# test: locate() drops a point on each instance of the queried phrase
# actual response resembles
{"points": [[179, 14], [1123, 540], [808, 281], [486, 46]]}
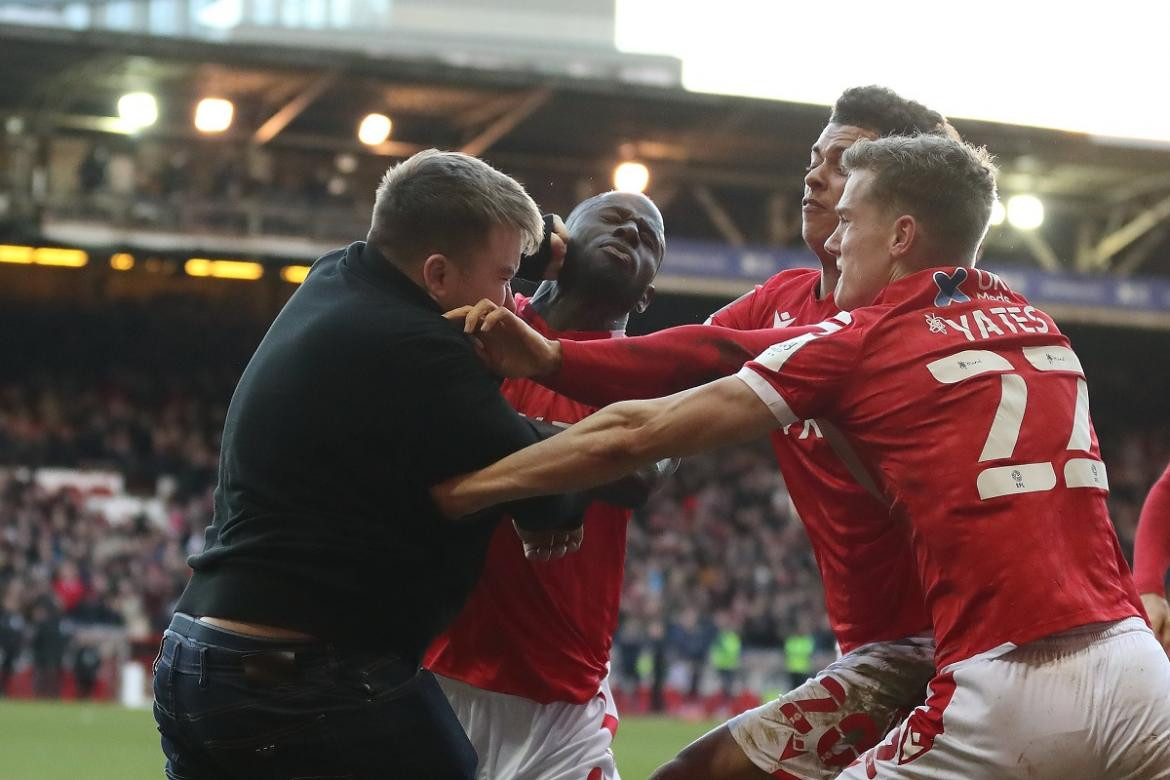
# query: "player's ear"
{"points": [[904, 235], [436, 275], [644, 302]]}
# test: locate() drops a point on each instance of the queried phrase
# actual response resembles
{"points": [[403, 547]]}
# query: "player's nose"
{"points": [[628, 232]]}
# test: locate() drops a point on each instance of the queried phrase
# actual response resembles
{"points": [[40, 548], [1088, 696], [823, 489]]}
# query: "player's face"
{"points": [[825, 181], [616, 241], [483, 271], [861, 244]]}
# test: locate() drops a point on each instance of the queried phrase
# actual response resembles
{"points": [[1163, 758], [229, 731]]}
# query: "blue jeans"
{"points": [[232, 706]]}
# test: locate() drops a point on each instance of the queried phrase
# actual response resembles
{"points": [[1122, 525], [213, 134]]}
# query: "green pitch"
{"points": [[65, 741]]}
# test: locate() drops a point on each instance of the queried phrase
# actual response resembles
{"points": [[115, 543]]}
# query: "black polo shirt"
{"points": [[359, 398]]}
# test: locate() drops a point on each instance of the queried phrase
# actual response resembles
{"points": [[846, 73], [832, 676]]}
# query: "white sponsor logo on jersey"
{"points": [[912, 745], [781, 318]]}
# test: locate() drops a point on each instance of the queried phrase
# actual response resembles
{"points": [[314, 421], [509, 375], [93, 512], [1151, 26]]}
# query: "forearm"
{"points": [[634, 490], [669, 361], [630, 491], [614, 442], [1151, 555]]}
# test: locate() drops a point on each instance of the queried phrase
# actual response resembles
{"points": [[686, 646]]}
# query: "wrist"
{"points": [[553, 357]]}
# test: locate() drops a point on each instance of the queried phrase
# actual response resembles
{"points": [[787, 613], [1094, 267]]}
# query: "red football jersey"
{"points": [[1151, 548], [872, 589], [541, 630], [971, 411]]}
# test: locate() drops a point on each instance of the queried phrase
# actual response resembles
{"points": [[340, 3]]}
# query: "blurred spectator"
{"points": [[798, 655], [725, 653], [12, 629], [91, 174], [87, 660], [50, 638]]}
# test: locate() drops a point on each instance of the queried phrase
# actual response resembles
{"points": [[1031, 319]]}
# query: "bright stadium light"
{"points": [[63, 258], [294, 274], [44, 255], [213, 115], [997, 213], [1025, 212], [223, 269], [631, 177], [138, 109], [122, 261], [374, 129]]}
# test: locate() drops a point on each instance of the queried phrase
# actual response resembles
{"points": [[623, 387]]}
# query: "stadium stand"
{"points": [[107, 470]]}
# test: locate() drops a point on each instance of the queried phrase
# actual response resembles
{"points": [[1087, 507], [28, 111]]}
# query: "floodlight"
{"points": [[122, 261], [997, 213], [374, 129], [1025, 212], [294, 273], [223, 269], [631, 177], [138, 109], [213, 115]]}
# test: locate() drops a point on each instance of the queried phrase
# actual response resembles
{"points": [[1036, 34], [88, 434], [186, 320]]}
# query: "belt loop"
{"points": [[203, 666]]}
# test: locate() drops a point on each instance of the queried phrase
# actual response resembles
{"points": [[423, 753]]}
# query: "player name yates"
{"points": [[995, 321]]}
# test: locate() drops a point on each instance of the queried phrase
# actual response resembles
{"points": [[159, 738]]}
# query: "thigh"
{"points": [[823, 725], [577, 741], [407, 731], [1137, 742], [1019, 716], [497, 726]]}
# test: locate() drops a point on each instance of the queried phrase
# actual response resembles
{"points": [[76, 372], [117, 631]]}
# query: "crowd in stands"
{"points": [[215, 189], [718, 564]]}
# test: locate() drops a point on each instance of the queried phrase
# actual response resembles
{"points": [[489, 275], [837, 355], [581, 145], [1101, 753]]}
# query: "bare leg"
{"points": [[713, 756]]}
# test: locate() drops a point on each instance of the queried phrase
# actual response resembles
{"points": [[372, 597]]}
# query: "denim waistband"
{"points": [[187, 626], [202, 647]]}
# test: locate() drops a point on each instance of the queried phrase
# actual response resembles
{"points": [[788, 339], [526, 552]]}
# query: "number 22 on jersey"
{"points": [[1004, 433]]}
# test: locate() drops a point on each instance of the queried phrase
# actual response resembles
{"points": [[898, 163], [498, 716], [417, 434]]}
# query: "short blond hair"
{"points": [[439, 202], [948, 185]]}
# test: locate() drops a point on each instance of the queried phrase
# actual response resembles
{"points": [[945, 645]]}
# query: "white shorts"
{"points": [[818, 729], [520, 739], [1088, 704]]}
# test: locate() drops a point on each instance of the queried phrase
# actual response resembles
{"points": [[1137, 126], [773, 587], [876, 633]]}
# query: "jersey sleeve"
{"points": [[799, 379], [1151, 549], [605, 371], [740, 314]]}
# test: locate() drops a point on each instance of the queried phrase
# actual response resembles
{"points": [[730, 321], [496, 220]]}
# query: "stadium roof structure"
{"points": [[724, 169]]}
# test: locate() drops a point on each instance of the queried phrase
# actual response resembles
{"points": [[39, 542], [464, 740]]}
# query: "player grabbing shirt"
{"points": [[525, 665], [873, 597], [969, 411]]}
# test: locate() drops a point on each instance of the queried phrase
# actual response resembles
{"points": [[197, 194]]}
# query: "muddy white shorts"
{"points": [[818, 729], [1088, 704], [520, 739]]}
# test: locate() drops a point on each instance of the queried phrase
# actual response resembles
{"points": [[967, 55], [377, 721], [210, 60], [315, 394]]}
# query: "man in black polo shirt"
{"points": [[294, 650]]}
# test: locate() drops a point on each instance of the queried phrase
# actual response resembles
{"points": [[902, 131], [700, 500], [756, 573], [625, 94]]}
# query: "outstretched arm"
{"points": [[613, 442], [609, 370], [1151, 557], [630, 491]]}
